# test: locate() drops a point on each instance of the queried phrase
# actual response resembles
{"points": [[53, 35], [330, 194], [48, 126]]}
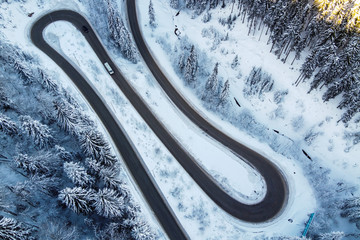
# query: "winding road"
{"points": [[277, 189]]}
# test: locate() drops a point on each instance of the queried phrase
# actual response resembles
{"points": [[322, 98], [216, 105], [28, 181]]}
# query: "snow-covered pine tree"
{"points": [[110, 177], [174, 4], [78, 174], [40, 133], [351, 209], [7, 126], [31, 165], [200, 6], [77, 199], [258, 83], [93, 164], [10, 229], [224, 95], [46, 81], [331, 236], [211, 85], [66, 117], [23, 70], [235, 62], [105, 157], [108, 203], [142, 231], [62, 153], [120, 34], [152, 15], [191, 66], [181, 63], [91, 142]]}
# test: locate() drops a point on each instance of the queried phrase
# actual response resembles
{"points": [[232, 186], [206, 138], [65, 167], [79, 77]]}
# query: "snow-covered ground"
{"points": [[199, 215], [304, 120]]}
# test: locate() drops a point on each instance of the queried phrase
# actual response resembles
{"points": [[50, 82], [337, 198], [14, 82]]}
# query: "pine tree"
{"points": [[211, 84], [31, 165], [258, 82], [78, 174], [191, 66], [120, 34], [8, 126], [235, 62], [141, 231], [10, 229], [66, 117], [91, 142], [77, 199], [62, 153], [47, 82], [152, 15], [174, 4], [110, 177], [351, 209], [331, 236], [105, 157], [181, 63], [224, 95], [93, 164], [40, 133], [108, 203]]}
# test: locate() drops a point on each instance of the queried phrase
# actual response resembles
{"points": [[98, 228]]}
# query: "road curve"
{"points": [[132, 159], [277, 188], [276, 195]]}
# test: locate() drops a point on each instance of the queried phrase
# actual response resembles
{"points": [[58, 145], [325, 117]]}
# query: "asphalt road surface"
{"points": [[276, 195], [132, 159], [277, 189]]}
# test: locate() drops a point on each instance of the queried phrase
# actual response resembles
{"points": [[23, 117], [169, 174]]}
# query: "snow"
{"points": [[301, 113], [199, 215], [185, 197]]}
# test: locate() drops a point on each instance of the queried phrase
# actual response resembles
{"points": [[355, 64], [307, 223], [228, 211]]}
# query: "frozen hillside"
{"points": [[247, 72]]}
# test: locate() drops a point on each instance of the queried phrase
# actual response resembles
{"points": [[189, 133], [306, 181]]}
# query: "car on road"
{"points": [[108, 68]]}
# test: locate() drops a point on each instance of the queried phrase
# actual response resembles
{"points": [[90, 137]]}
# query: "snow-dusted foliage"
{"points": [[142, 232], [258, 83], [110, 177], [152, 15], [191, 66], [94, 145], [78, 174], [31, 165], [174, 3], [120, 34], [77, 199], [351, 209], [48, 155], [57, 231], [7, 126], [47, 82], [66, 117], [108, 203], [334, 48], [224, 95], [40, 133], [10, 229], [331, 236], [211, 86], [235, 62]]}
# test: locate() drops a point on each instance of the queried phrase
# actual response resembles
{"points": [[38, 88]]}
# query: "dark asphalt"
{"points": [[276, 195], [277, 189], [132, 159]]}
